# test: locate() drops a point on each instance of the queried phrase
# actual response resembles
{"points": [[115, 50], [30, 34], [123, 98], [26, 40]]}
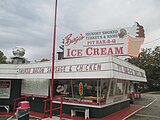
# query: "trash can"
{"points": [[22, 112]]}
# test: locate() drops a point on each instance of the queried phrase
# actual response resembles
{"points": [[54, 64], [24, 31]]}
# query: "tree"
{"points": [[149, 60], [44, 59], [3, 58]]}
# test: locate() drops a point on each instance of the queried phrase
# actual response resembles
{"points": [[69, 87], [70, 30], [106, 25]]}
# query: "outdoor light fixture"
{"points": [[33, 97]]}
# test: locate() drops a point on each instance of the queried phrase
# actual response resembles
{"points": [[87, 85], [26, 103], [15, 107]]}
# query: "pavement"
{"points": [[151, 102], [149, 107], [55, 118], [146, 108], [124, 113]]}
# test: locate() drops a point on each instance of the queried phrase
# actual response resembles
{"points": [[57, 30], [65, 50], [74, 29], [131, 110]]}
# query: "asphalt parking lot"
{"points": [[151, 111]]}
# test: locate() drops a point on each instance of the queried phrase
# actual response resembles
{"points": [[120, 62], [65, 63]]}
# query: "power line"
{"points": [[152, 41]]}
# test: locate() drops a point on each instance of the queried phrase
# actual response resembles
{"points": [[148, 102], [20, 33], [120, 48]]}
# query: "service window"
{"points": [[120, 87], [78, 90]]}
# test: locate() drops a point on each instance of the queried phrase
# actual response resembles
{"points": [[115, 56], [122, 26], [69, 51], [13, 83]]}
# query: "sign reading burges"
{"points": [[120, 41]]}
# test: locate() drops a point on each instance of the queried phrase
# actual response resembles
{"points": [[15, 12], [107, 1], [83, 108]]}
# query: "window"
{"points": [[127, 87], [35, 87], [105, 86], [113, 82], [120, 87], [71, 89]]}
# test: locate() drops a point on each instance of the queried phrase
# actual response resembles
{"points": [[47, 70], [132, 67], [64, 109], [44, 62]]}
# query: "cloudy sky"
{"points": [[29, 23]]}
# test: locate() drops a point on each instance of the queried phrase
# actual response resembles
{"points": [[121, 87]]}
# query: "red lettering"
{"points": [[69, 39], [68, 52], [79, 52], [89, 51], [110, 51], [73, 52], [96, 51], [119, 50], [103, 51]]}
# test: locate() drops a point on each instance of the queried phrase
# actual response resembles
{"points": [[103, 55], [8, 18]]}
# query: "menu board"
{"points": [[5, 88], [35, 87]]}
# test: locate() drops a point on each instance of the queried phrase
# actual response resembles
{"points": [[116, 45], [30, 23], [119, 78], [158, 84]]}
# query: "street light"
{"points": [[53, 56]]}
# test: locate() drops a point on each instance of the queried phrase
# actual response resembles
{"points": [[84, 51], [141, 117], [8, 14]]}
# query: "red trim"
{"points": [[6, 114], [50, 100], [122, 114], [83, 102]]}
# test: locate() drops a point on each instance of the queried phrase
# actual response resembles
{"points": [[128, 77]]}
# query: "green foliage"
{"points": [[2, 58], [149, 60], [44, 59]]}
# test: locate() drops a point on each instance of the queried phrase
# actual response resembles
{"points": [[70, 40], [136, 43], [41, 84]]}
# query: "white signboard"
{"points": [[77, 68], [119, 41], [5, 88], [35, 87]]}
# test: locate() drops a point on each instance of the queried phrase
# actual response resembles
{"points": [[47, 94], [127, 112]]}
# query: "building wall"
{"points": [[96, 112], [15, 92]]}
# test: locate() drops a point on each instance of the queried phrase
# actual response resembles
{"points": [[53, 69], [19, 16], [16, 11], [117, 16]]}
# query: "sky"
{"points": [[29, 23]]}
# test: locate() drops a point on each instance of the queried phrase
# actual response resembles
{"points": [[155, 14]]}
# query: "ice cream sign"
{"points": [[119, 41]]}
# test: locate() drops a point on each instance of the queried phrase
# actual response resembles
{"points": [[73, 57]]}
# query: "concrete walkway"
{"points": [[31, 118], [120, 115], [55, 118]]}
